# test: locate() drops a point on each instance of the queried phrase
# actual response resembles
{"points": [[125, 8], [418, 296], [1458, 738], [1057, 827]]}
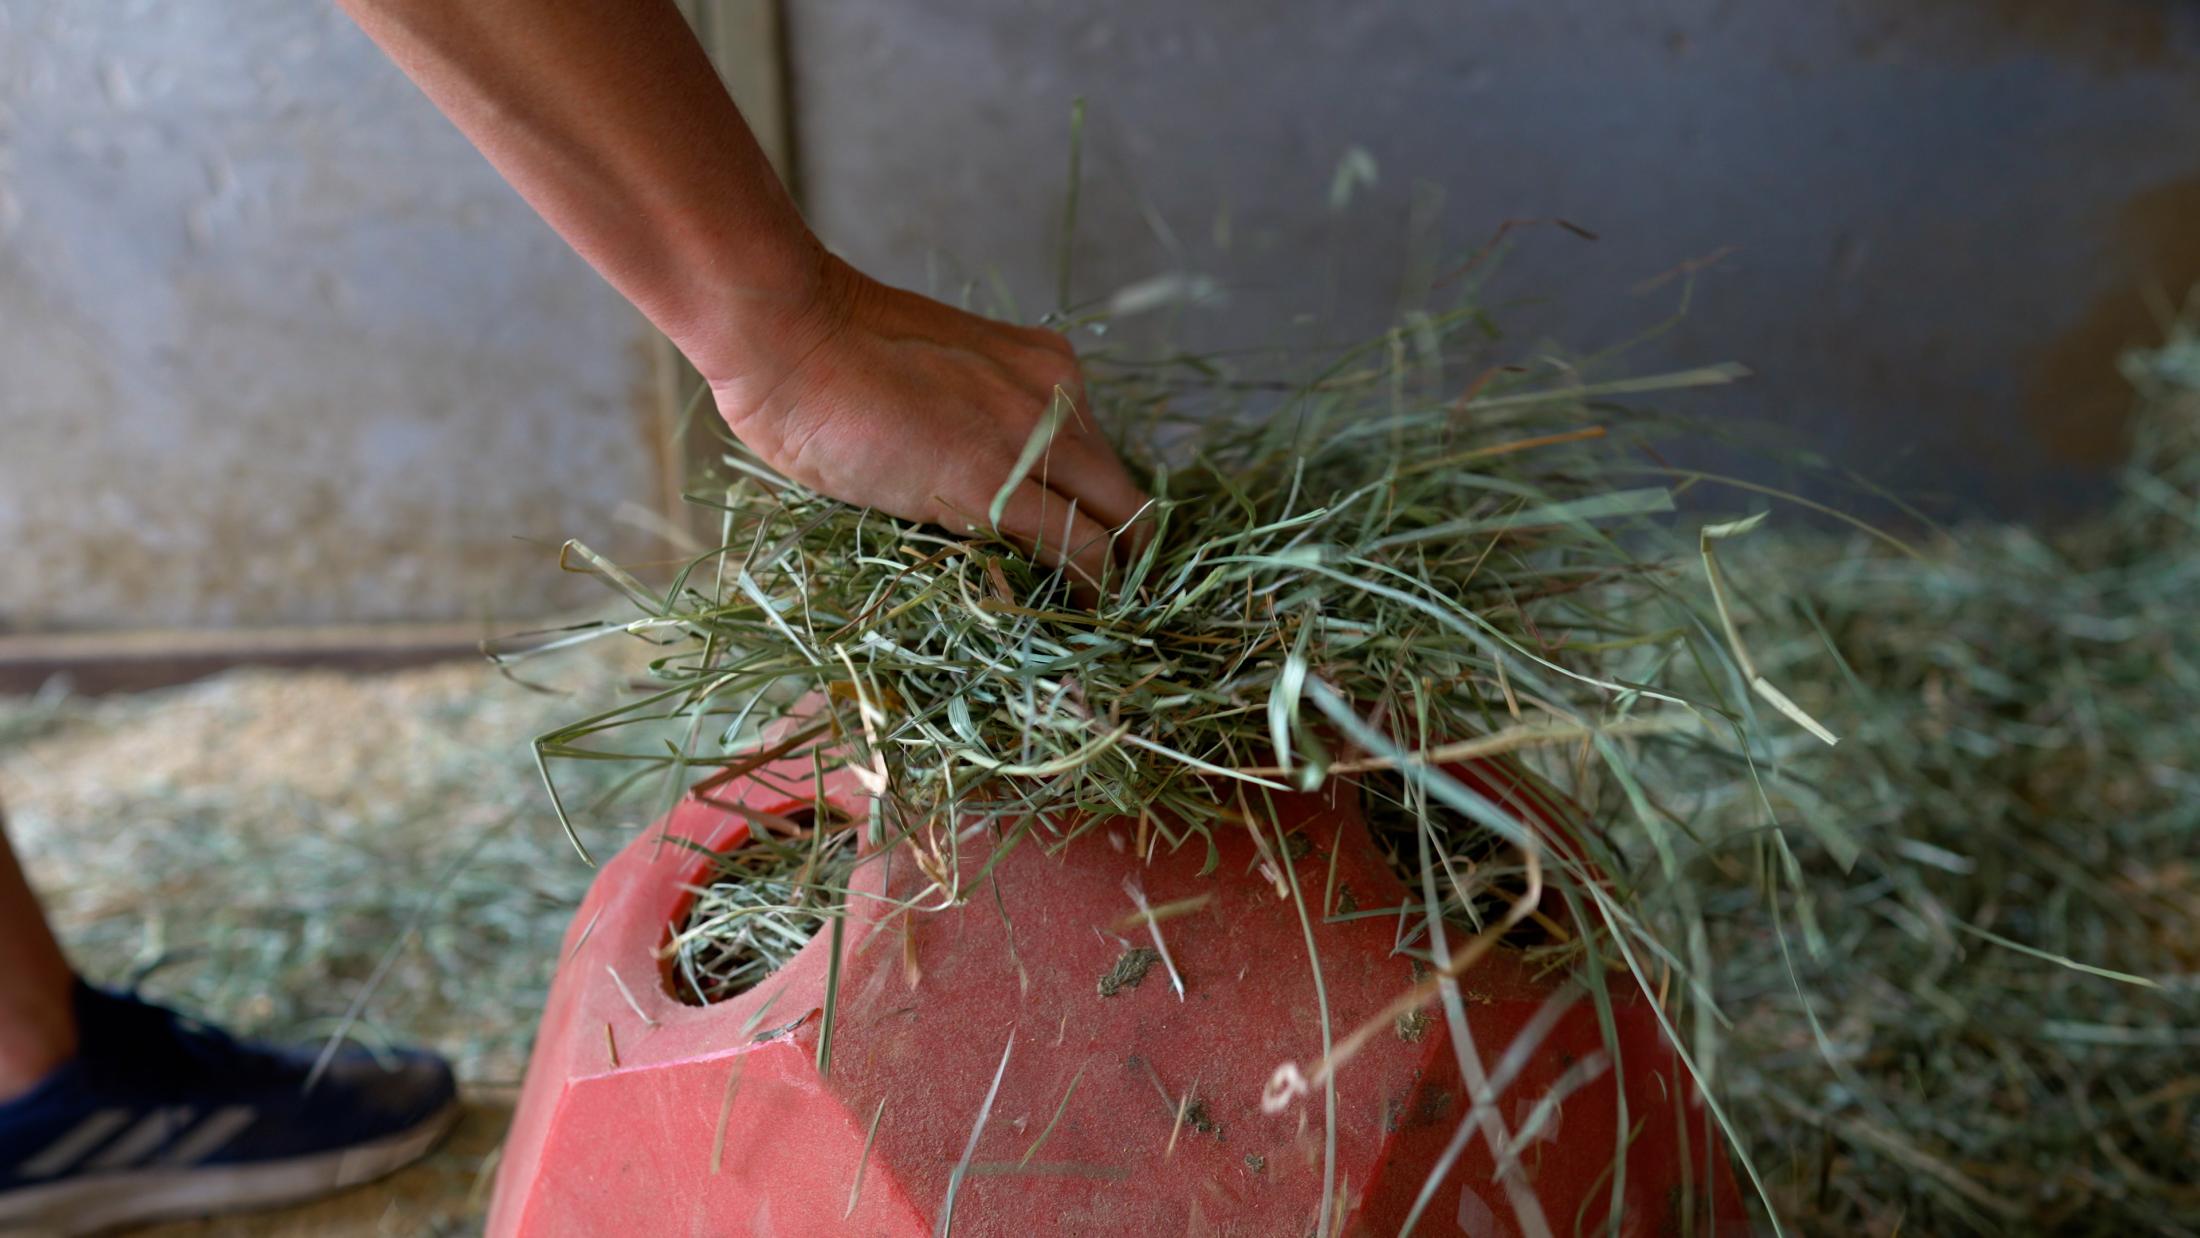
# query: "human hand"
{"points": [[882, 397], [608, 117]]}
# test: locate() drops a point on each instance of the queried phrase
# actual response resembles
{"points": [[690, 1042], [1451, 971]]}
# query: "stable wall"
{"points": [[1939, 217], [277, 348], [276, 345]]}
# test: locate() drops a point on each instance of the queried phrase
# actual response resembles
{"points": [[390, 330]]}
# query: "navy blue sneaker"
{"points": [[159, 1116]]}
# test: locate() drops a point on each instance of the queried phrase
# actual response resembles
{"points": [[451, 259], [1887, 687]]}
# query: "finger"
{"points": [[1082, 464], [1086, 469], [1073, 385], [1052, 527]]}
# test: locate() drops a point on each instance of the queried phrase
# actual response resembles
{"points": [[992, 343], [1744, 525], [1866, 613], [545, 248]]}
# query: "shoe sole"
{"points": [[88, 1205]]}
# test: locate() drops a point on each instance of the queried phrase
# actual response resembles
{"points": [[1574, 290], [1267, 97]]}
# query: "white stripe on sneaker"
{"points": [[138, 1143], [93, 1203], [212, 1135], [70, 1148]]}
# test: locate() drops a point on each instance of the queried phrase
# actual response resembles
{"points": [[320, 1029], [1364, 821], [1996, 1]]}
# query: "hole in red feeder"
{"points": [[1484, 874], [751, 907]]}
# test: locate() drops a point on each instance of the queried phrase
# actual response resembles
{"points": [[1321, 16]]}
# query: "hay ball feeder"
{"points": [[1131, 1111]]}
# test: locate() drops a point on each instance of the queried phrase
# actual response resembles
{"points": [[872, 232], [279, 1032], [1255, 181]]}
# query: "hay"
{"points": [[1999, 1030], [754, 910], [257, 846]]}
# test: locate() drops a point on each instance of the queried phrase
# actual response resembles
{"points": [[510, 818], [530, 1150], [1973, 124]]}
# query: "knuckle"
{"points": [[1049, 339], [1050, 351]]}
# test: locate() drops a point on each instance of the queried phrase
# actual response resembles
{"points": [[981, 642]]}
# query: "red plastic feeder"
{"points": [[644, 1115]]}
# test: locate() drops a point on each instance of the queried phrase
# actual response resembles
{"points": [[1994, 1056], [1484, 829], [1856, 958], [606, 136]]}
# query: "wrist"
{"points": [[760, 340], [755, 319]]}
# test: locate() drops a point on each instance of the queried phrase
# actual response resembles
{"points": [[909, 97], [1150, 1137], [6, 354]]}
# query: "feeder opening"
{"points": [[756, 904]]}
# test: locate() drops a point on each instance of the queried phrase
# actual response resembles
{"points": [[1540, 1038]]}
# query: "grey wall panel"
{"points": [[276, 346], [1940, 212]]}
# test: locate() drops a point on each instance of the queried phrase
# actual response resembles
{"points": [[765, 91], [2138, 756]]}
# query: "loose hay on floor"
{"points": [[1998, 1028], [260, 839]]}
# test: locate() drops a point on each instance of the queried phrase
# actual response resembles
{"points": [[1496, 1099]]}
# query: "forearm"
{"points": [[608, 118], [606, 115]]}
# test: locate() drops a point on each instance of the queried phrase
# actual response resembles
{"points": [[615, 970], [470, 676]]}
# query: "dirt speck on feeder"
{"points": [[1412, 1025], [1255, 1162], [1432, 1106], [1130, 968]]}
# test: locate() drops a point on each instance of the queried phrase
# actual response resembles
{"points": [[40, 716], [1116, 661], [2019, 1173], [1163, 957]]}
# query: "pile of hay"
{"points": [[1941, 1051]]}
